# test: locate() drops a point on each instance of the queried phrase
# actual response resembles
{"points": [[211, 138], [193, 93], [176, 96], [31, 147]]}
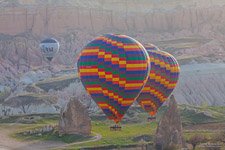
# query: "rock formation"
{"points": [[74, 119], [192, 30], [4, 93], [201, 84], [169, 132]]}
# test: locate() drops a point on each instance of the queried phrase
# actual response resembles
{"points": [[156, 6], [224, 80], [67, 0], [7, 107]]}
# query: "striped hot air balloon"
{"points": [[161, 82], [113, 70], [151, 47]]}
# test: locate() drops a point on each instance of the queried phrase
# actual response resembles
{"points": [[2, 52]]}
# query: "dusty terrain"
{"points": [[9, 143]]}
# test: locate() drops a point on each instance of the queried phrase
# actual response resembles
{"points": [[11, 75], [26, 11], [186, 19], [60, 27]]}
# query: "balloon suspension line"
{"points": [[49, 65], [115, 127], [50, 68], [151, 118]]}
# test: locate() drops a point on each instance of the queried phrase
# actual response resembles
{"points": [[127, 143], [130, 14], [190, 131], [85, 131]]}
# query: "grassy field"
{"points": [[52, 136], [201, 115], [205, 121], [131, 133]]}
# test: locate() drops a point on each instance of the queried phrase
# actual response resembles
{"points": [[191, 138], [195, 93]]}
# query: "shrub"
{"points": [[197, 139]]}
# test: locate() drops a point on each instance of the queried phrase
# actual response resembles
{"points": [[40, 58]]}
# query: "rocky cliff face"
{"points": [[192, 30], [201, 84]]}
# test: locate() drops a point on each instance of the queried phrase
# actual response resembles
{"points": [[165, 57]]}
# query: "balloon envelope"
{"points": [[162, 80], [114, 69], [49, 47], [151, 47]]}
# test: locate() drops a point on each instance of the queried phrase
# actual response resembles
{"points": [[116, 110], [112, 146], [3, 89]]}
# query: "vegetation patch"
{"points": [[144, 138], [36, 119], [132, 133], [201, 114], [4, 94], [125, 146], [119, 138], [24, 101], [53, 136]]}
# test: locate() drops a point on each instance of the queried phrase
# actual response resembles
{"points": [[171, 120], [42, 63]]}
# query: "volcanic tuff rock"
{"points": [[24, 24], [201, 84], [4, 93], [192, 30], [169, 132], [74, 119]]}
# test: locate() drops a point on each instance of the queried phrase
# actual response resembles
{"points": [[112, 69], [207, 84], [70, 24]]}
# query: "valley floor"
{"points": [[7, 142], [135, 130]]}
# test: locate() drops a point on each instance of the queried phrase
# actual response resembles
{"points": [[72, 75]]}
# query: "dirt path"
{"points": [[8, 143], [97, 137]]}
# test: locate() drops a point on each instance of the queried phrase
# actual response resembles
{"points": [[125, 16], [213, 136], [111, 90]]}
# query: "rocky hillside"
{"points": [[189, 29], [201, 84], [192, 30]]}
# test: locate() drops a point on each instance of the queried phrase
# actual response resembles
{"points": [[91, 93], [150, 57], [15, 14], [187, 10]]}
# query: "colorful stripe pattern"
{"points": [[162, 80], [114, 69]]}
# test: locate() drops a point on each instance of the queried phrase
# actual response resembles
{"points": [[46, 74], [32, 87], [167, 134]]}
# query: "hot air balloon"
{"points": [[113, 70], [151, 47], [162, 80], [49, 47]]}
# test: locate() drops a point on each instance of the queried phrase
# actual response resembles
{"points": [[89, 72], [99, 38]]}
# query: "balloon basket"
{"points": [[115, 128], [151, 119]]}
